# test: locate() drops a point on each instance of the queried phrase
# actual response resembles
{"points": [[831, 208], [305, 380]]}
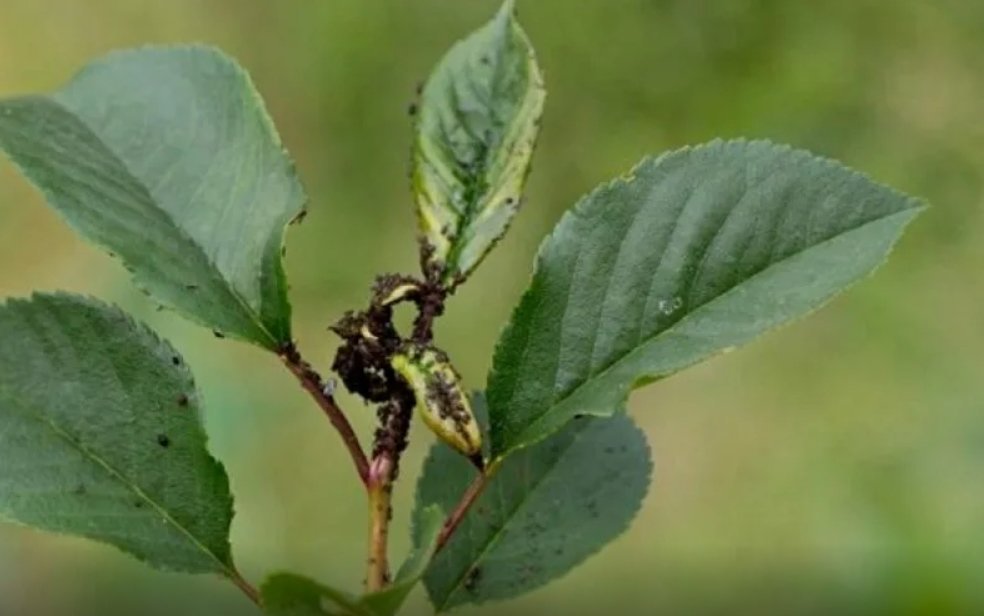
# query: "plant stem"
{"points": [[312, 382], [380, 492], [430, 306], [468, 499], [245, 587]]}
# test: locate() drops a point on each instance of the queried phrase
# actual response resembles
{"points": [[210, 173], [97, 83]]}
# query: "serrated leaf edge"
{"points": [[254, 316], [914, 207], [450, 274], [497, 536], [225, 567]]}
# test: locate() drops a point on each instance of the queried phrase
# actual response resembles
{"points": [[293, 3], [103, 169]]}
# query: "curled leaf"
{"points": [[441, 402], [478, 123]]}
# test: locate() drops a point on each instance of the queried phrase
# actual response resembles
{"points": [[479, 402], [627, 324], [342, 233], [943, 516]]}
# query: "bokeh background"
{"points": [[835, 466]]}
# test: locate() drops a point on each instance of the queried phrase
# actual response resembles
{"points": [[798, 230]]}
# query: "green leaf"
{"points": [[428, 527], [546, 509], [694, 253], [286, 594], [478, 123], [167, 158], [100, 436]]}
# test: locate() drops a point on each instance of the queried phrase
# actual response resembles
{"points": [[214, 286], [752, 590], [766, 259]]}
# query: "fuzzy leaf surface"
{"points": [[167, 158], [692, 254], [100, 436]]}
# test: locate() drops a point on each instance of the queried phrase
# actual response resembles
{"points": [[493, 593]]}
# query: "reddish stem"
{"points": [[461, 509], [246, 587], [312, 382]]}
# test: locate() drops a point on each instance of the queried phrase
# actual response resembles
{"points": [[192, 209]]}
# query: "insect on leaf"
{"points": [[477, 126]]}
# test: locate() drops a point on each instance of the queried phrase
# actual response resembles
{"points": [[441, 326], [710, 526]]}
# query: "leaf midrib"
{"points": [[45, 421], [248, 311], [497, 535], [472, 209], [657, 335]]}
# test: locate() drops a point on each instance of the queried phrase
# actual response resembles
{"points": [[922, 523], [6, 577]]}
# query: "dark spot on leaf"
{"points": [[412, 109], [183, 400], [473, 579], [191, 287], [138, 504], [217, 333], [163, 440], [485, 60], [300, 217], [176, 360]]}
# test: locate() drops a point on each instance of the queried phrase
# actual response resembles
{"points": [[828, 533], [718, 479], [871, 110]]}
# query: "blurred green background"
{"points": [[835, 466]]}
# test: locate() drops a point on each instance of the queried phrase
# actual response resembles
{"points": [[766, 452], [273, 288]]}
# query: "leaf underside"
{"points": [[100, 436], [692, 254], [167, 158], [547, 509], [477, 127]]}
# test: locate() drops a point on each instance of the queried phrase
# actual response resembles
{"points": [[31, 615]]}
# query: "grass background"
{"points": [[834, 466]]}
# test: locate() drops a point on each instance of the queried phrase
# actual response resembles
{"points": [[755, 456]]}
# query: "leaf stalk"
{"points": [[312, 382]]}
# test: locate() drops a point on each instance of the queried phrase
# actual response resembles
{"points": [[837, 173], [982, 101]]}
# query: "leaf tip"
{"points": [[507, 10]]}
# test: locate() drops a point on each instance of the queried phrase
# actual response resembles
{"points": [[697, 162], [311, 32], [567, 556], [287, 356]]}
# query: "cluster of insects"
{"points": [[400, 374]]}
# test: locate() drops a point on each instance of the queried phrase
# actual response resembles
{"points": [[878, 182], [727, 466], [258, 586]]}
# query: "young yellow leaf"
{"points": [[478, 123]]}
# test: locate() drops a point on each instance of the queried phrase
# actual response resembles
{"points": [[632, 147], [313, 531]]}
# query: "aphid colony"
{"points": [[378, 364]]}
